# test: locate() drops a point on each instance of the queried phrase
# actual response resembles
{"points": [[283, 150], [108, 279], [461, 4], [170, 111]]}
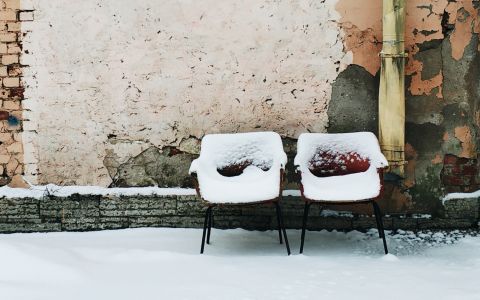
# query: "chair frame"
{"points": [[208, 221], [376, 209]]}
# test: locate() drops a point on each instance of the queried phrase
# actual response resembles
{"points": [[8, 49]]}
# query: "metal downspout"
{"points": [[392, 85]]}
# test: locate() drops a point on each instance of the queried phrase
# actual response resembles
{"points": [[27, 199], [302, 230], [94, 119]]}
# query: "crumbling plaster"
{"points": [[112, 78], [112, 83], [425, 21], [442, 87]]}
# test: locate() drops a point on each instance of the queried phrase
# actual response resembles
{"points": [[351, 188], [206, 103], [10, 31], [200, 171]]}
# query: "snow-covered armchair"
{"points": [[343, 168], [240, 169]]}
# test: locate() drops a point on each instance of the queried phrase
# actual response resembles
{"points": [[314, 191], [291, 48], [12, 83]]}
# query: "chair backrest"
{"points": [[230, 154], [338, 154]]}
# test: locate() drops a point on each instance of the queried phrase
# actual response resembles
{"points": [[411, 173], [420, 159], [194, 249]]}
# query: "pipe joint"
{"points": [[393, 55]]}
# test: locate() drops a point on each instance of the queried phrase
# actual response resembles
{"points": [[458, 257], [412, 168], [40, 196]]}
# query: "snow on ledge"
{"points": [[461, 196], [293, 193], [41, 191]]}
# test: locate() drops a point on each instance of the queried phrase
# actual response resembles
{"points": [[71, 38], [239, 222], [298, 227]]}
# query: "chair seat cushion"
{"points": [[339, 167], [240, 168], [253, 185], [351, 187]]}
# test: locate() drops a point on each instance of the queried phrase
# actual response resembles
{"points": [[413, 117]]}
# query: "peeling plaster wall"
{"points": [[112, 78], [442, 92], [118, 90]]}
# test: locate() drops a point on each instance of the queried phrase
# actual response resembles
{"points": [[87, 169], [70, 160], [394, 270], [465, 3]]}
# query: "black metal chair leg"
{"points": [[378, 216], [205, 223], [279, 225], [304, 224], [279, 210], [381, 228], [210, 221], [377, 219]]}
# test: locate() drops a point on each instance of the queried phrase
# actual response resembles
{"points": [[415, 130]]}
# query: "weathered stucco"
{"points": [[120, 92], [113, 78], [362, 23], [426, 21], [442, 89]]}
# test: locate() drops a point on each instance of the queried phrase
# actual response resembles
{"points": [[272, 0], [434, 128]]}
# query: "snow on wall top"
{"points": [[452, 196], [262, 155], [39, 192]]}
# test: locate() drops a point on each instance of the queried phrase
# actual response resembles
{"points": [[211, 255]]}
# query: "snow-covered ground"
{"points": [[165, 264]]}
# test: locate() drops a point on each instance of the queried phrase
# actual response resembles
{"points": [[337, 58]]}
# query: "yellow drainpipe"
{"points": [[392, 82]]}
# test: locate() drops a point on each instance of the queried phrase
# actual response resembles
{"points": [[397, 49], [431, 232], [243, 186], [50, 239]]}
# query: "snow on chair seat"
{"points": [[343, 168], [339, 167], [240, 169]]}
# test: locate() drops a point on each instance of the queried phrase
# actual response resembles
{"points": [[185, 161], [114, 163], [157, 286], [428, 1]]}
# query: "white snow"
{"points": [[39, 191], [336, 213], [421, 216], [293, 193], [239, 265], [451, 196], [259, 181], [356, 186]]}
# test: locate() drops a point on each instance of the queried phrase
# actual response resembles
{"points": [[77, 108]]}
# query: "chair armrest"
{"points": [[195, 182], [298, 174], [381, 172], [298, 179], [194, 166]]}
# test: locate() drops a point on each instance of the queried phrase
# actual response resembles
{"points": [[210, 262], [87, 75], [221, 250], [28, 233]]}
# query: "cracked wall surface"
{"points": [[442, 92], [117, 91], [156, 74]]}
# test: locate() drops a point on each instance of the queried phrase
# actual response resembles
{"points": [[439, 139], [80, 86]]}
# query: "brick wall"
{"points": [[460, 174], [11, 91]]}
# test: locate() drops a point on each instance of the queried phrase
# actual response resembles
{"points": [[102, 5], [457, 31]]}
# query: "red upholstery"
{"points": [[236, 169], [325, 164]]}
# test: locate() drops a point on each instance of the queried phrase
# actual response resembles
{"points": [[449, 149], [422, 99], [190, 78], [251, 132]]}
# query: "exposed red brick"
{"points": [[4, 115], [457, 180], [460, 174], [469, 170], [17, 92], [449, 159]]}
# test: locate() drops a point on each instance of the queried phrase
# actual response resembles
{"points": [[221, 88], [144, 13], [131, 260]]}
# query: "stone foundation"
{"points": [[93, 212]]}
